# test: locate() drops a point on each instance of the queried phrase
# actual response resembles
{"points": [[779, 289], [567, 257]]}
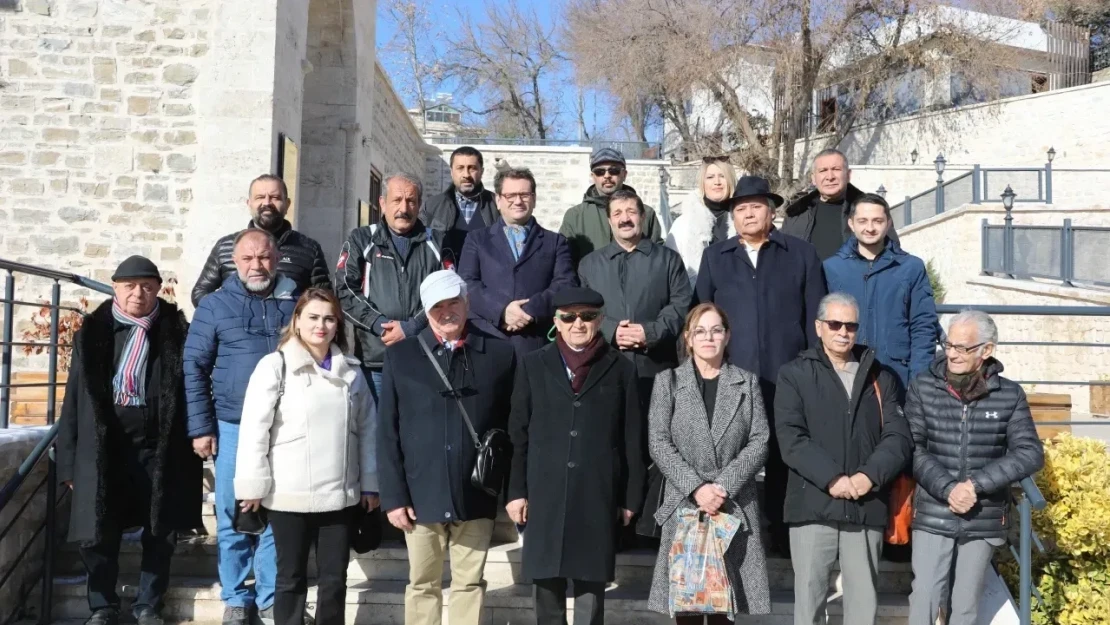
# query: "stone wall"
{"points": [[15, 445], [562, 175], [1011, 132], [953, 241], [397, 144]]}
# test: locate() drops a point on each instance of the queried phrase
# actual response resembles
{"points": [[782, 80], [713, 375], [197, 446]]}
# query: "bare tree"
{"points": [[509, 61], [412, 46]]}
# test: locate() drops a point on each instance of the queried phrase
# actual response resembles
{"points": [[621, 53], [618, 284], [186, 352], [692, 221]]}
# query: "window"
{"points": [[375, 215]]}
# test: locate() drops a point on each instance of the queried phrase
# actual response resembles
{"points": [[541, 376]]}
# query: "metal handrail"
{"points": [[1032, 499], [1066, 273]]}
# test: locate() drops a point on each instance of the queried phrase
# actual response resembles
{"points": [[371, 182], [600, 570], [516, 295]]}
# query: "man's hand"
{"points": [[393, 332], [250, 505], [204, 446], [626, 516], [710, 498], [843, 488], [962, 498], [862, 483], [370, 502], [515, 317], [402, 518], [518, 511], [627, 336]]}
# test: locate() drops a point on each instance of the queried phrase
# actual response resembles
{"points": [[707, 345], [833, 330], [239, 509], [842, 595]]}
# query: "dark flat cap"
{"points": [[136, 267], [578, 296], [606, 155]]}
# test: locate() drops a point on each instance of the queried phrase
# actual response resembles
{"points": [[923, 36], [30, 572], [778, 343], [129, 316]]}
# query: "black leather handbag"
{"points": [[495, 450], [645, 524]]}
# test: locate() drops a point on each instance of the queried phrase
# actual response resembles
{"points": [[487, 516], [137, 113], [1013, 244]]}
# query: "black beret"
{"points": [[578, 296], [136, 267]]}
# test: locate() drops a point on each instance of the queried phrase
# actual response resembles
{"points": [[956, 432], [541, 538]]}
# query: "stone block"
{"points": [[167, 15], [42, 7], [180, 137], [174, 33], [124, 194], [81, 10], [166, 50], [113, 159], [29, 216], [77, 162], [178, 110], [26, 186], [65, 73], [146, 136], [181, 163], [198, 49], [146, 35], [149, 162], [106, 136], [17, 103], [141, 105], [104, 71], [171, 253], [79, 121], [78, 89], [180, 74], [45, 158], [139, 78], [146, 62], [96, 250], [184, 195], [155, 193], [20, 69], [100, 107], [59, 246], [131, 49], [115, 123], [59, 185], [115, 30], [72, 214], [92, 189], [127, 181], [119, 220], [13, 133], [13, 158], [54, 44], [111, 95]]}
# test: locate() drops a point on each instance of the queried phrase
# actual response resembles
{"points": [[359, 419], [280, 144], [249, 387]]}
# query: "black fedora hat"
{"points": [[753, 186]]}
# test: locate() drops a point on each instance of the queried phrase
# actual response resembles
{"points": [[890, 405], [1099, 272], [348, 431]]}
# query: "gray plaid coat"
{"points": [[689, 453]]}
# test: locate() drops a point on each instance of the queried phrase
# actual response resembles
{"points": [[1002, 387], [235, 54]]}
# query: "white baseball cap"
{"points": [[441, 285]]}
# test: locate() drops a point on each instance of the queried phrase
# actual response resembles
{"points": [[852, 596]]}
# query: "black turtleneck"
{"points": [[717, 208]]}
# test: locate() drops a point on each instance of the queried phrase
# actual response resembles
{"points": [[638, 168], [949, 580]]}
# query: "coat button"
{"points": [[447, 515], [448, 448], [571, 465], [574, 432], [577, 404]]}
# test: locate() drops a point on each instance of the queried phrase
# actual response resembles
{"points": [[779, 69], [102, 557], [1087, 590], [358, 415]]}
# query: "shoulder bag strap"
{"points": [[451, 389]]}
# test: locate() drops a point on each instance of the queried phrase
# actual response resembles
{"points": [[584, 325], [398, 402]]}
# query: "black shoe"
{"points": [[104, 616], [308, 620], [147, 615]]}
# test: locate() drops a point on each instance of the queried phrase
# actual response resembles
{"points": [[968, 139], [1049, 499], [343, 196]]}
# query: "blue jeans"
{"points": [[238, 552], [374, 377]]}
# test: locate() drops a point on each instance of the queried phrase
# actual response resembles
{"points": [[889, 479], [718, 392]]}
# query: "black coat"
{"points": [[823, 434], [301, 260], [800, 218], [88, 414], [441, 212], [991, 440], [578, 460], [654, 291], [425, 453]]}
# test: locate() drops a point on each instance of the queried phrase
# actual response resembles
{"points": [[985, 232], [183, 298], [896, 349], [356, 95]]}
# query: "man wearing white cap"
{"points": [[426, 452]]}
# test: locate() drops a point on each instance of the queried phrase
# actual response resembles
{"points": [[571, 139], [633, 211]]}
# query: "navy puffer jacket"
{"points": [[231, 331], [990, 440]]}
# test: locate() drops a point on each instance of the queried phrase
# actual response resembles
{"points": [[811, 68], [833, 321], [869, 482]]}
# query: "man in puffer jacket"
{"points": [[232, 330], [299, 256], [973, 437]]}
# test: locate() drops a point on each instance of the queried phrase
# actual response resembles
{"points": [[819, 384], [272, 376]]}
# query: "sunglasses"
{"points": [[612, 171], [709, 160], [835, 326], [585, 315]]}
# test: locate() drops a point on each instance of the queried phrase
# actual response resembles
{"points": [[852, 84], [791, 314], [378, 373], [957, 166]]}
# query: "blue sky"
{"points": [[444, 16]]}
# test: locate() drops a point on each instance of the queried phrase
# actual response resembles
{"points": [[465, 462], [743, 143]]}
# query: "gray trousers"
{"points": [[814, 549], [947, 574]]}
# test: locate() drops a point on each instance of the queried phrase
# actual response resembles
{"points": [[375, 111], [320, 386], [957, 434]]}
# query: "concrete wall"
{"points": [[952, 241], [562, 175], [15, 445]]}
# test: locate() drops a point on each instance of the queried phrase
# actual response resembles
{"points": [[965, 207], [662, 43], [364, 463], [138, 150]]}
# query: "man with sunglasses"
{"points": [[844, 438], [973, 438], [586, 226]]}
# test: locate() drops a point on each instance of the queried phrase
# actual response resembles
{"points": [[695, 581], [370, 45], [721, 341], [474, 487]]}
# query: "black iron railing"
{"points": [[981, 184], [630, 149], [1070, 254], [45, 448]]}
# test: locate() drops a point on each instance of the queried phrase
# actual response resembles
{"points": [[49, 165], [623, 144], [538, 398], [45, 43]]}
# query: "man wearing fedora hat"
{"points": [[122, 445], [770, 284]]}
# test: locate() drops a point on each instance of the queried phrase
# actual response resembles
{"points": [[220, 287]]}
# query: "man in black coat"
{"points": [[301, 259], [973, 438], [466, 205], [426, 453], [768, 283], [578, 465], [122, 446], [845, 439]]}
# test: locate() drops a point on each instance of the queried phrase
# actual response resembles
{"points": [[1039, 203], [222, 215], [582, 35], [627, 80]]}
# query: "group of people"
{"points": [[613, 362]]}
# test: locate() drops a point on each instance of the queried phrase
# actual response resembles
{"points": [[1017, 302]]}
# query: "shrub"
{"points": [[939, 291]]}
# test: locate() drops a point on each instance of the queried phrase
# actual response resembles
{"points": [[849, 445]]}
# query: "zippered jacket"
{"points": [[990, 440]]}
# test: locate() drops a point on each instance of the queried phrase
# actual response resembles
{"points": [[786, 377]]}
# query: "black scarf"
{"points": [[717, 208], [579, 362], [969, 386]]}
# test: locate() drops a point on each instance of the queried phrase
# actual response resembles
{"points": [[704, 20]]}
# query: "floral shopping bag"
{"points": [[699, 579]]}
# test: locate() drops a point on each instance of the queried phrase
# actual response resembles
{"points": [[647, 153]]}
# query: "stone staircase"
{"points": [[376, 584]]}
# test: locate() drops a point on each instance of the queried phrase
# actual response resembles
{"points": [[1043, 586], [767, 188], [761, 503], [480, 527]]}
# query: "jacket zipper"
{"points": [[347, 438]]}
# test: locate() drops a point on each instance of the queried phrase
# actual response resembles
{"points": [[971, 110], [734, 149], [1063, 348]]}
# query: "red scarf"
{"points": [[579, 363]]}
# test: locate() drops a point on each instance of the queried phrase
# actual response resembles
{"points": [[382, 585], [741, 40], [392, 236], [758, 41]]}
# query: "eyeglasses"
{"points": [[961, 349], [835, 326], [612, 171], [512, 197], [703, 333], [585, 315], [709, 160]]}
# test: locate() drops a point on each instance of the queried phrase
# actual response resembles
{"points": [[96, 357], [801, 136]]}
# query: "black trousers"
{"points": [[102, 565], [549, 598], [294, 534], [698, 619]]}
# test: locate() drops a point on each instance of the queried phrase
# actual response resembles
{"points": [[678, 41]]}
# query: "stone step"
{"points": [[197, 557], [381, 602]]}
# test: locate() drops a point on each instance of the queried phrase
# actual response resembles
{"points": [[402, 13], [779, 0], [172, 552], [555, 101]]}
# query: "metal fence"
{"points": [[630, 149], [1070, 254], [981, 184]]}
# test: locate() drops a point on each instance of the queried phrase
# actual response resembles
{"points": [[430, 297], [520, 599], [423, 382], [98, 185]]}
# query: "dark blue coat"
{"points": [[494, 279], [770, 307], [231, 331], [897, 314]]}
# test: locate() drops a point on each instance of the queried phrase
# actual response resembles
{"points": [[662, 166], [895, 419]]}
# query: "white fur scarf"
{"points": [[692, 232]]}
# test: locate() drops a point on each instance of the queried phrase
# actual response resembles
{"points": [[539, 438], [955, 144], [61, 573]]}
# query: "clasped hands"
{"points": [[515, 317], [630, 335], [710, 498], [854, 487], [962, 498]]}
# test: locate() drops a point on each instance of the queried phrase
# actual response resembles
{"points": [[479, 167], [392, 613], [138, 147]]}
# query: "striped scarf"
{"points": [[129, 383]]}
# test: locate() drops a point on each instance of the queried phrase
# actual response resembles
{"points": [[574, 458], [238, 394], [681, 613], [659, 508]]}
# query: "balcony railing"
{"points": [[1070, 254], [630, 149], [981, 184]]}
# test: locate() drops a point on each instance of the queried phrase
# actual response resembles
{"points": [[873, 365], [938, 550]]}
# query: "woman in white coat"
{"points": [[704, 219], [306, 454]]}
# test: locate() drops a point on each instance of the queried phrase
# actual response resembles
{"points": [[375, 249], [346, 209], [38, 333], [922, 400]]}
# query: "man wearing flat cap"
{"points": [[770, 284], [586, 226], [578, 466], [426, 453], [122, 445]]}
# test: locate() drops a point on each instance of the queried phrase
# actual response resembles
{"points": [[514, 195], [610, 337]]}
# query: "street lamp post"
{"points": [[881, 191], [939, 165], [913, 157], [1008, 231], [1048, 176]]}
